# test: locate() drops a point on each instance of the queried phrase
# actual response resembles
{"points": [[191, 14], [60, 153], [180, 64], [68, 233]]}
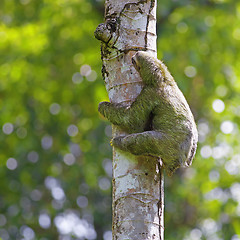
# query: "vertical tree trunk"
{"points": [[130, 26]]}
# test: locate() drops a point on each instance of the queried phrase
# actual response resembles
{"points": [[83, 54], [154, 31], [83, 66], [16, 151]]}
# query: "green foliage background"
{"points": [[55, 166]]}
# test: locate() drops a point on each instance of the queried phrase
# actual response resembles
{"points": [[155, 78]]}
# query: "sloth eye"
{"points": [[134, 62], [111, 24]]}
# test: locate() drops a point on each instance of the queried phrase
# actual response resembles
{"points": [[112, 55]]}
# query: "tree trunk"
{"points": [[138, 192]]}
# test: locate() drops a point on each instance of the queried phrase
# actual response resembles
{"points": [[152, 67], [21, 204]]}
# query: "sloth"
{"points": [[159, 122]]}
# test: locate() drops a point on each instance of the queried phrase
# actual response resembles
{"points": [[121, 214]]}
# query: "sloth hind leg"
{"points": [[145, 143], [152, 143]]}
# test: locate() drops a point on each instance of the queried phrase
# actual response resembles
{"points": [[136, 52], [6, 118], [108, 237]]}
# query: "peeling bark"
{"points": [[130, 26]]}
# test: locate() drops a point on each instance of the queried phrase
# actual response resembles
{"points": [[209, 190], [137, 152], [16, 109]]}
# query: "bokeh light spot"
{"points": [[44, 220], [190, 71], [206, 151], [51, 182], [182, 27], [235, 191], [54, 108], [104, 183], [33, 156], [82, 201], [227, 127], [210, 21], [75, 149], [85, 70], [69, 222], [8, 128], [196, 234], [92, 76], [36, 195], [12, 164], [77, 78], [209, 226], [21, 132], [107, 235], [27, 233], [107, 165], [46, 142], [72, 130], [78, 58], [235, 237], [214, 176], [218, 105], [69, 159], [58, 193], [221, 90], [3, 220]]}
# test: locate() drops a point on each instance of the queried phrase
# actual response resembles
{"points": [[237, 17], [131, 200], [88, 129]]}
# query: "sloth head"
{"points": [[151, 70]]}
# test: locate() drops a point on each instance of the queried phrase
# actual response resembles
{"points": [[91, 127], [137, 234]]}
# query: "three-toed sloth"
{"points": [[159, 122]]}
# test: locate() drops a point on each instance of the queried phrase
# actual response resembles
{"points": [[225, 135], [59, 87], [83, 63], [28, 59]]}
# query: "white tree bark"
{"points": [[138, 194]]}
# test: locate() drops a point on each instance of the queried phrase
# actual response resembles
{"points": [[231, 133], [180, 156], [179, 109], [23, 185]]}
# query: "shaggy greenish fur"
{"points": [[159, 121]]}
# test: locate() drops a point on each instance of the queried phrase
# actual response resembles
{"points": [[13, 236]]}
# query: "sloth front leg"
{"points": [[133, 118], [114, 112]]}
